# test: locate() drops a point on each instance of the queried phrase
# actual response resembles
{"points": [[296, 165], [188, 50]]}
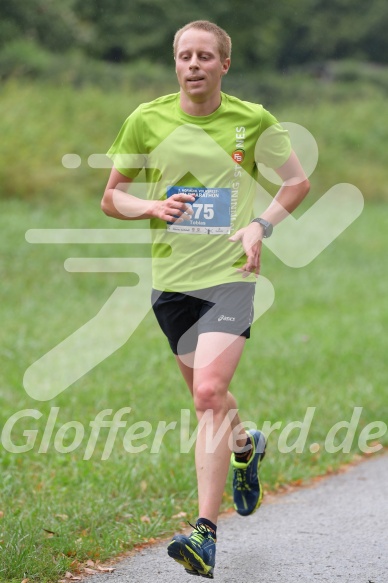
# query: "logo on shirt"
{"points": [[238, 156]]}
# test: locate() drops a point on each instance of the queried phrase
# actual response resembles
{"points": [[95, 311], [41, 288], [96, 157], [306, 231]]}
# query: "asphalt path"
{"points": [[334, 530]]}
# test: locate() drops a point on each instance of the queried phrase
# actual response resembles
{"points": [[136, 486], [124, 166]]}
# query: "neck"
{"points": [[200, 108]]}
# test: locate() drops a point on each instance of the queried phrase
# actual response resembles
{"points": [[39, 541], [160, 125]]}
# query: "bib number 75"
{"points": [[206, 209]]}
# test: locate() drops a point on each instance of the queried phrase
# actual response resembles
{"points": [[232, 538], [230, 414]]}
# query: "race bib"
{"points": [[211, 211]]}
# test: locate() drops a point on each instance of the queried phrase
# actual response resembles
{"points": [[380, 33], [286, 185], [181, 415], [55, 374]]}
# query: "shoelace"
{"points": [[241, 480], [201, 533]]}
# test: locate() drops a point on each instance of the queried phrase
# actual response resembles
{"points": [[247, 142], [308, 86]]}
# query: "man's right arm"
{"points": [[119, 204]]}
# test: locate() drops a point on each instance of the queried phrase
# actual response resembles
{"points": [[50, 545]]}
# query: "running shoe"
{"points": [[196, 552], [247, 490]]}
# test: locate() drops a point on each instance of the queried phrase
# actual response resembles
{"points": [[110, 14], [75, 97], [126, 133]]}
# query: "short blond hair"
{"points": [[224, 41]]}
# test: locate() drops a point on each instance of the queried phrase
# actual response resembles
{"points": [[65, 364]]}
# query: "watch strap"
{"points": [[267, 226]]}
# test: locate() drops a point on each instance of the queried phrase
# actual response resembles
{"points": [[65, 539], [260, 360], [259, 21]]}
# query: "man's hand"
{"points": [[251, 239], [174, 209]]}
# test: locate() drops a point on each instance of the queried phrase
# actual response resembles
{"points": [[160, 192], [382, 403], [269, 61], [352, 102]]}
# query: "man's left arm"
{"points": [[293, 190]]}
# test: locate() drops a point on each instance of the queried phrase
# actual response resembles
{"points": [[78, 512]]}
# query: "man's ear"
{"points": [[225, 66]]}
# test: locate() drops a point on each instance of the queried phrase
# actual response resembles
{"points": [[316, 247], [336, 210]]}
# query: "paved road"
{"points": [[337, 530]]}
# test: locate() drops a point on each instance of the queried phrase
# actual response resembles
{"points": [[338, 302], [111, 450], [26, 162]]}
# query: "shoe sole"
{"points": [[174, 551], [185, 556]]}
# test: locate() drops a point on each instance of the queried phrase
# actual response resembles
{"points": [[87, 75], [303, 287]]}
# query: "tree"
{"points": [[49, 23]]}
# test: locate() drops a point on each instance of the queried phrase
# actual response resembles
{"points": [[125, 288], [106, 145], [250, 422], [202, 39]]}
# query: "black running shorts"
{"points": [[221, 308]]}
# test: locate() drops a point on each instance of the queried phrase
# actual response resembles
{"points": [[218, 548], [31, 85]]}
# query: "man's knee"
{"points": [[210, 394]]}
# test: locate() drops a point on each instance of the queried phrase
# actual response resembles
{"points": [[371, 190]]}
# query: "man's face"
{"points": [[198, 65]]}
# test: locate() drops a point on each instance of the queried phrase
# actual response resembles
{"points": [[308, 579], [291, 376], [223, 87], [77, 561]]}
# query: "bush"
{"points": [[23, 58]]}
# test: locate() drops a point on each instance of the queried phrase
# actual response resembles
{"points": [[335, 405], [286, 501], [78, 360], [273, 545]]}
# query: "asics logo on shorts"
{"points": [[226, 318]]}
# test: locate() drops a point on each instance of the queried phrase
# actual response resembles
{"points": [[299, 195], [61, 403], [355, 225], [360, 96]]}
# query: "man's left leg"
{"points": [[210, 390]]}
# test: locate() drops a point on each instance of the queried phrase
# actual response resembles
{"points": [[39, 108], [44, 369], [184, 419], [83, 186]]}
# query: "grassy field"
{"points": [[321, 345]]}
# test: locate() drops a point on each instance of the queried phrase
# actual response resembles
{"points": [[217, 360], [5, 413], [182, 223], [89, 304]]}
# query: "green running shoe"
{"points": [[196, 552], [247, 490]]}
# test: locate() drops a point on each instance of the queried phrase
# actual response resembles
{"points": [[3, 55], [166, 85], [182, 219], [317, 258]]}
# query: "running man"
{"points": [[200, 148]]}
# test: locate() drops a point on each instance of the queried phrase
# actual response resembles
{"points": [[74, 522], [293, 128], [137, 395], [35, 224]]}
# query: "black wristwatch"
{"points": [[268, 227]]}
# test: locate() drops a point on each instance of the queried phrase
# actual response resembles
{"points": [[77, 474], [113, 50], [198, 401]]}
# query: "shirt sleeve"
{"points": [[128, 152], [273, 148]]}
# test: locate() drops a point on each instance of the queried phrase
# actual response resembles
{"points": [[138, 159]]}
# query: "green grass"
{"points": [[322, 344]]}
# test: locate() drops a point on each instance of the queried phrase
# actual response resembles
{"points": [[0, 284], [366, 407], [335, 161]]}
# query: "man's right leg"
{"points": [[209, 385], [240, 436]]}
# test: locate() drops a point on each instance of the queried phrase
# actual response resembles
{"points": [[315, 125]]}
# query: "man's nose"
{"points": [[193, 62]]}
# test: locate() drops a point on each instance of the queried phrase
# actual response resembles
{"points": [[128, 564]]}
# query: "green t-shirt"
{"points": [[215, 157]]}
